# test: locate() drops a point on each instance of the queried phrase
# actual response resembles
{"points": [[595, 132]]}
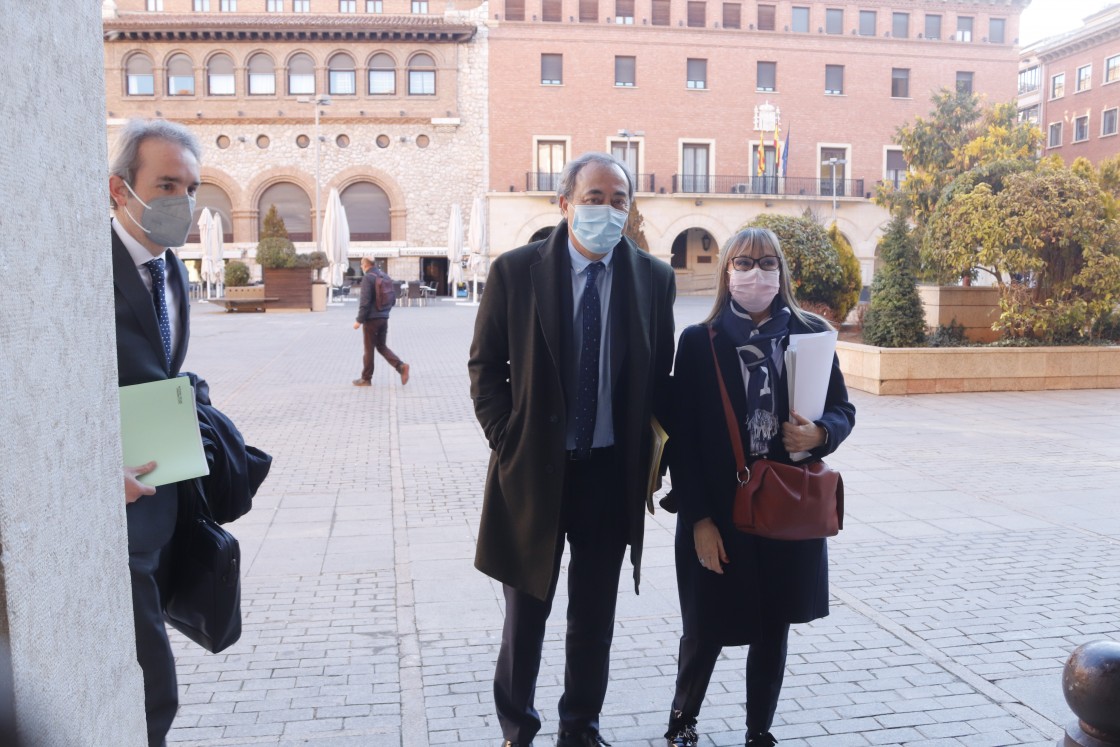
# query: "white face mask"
{"points": [[755, 289], [598, 228]]}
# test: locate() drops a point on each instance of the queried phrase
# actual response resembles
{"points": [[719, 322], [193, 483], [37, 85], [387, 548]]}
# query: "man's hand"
{"points": [[357, 324], [133, 488]]}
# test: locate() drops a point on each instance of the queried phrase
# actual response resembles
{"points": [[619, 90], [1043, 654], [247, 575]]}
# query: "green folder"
{"points": [[159, 423]]}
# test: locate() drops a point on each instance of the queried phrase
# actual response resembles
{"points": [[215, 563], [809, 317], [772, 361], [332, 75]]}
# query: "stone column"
{"points": [[68, 671]]}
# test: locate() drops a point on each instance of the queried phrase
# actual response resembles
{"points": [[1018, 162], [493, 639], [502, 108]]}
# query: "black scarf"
{"points": [[755, 345]]}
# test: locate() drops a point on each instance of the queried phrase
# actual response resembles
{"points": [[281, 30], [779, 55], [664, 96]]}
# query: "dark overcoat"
{"points": [[521, 343], [766, 580]]}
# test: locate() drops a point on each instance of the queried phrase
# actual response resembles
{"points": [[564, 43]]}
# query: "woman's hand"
{"points": [[802, 434], [709, 545]]}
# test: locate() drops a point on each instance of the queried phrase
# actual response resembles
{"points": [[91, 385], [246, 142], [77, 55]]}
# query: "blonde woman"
{"points": [[738, 589]]}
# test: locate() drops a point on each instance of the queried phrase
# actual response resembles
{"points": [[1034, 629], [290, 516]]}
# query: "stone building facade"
{"points": [[1069, 85]]}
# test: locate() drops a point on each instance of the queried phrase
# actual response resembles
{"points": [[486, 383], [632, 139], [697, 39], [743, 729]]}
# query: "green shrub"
{"points": [[852, 283], [949, 335], [895, 318], [237, 274], [275, 253]]}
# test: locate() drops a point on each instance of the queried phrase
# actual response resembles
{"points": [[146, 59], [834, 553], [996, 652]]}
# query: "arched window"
{"points": [[215, 198], [219, 76], [422, 76], [180, 76], [262, 75], [382, 75], [341, 80], [301, 75], [367, 212], [138, 75], [294, 207]]}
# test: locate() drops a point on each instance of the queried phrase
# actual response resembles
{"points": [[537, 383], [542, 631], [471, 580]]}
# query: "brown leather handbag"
{"points": [[782, 501]]}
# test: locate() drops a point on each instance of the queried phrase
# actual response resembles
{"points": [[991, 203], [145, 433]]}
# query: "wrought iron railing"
{"points": [[767, 185], [544, 181]]}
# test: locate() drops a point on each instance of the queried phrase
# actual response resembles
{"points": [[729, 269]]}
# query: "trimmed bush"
{"points": [[237, 274], [896, 318]]}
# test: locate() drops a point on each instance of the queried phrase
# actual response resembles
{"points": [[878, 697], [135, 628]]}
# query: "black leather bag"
{"points": [[204, 598]]}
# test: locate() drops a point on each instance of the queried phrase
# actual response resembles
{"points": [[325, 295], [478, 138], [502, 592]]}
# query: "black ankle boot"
{"points": [[761, 740]]}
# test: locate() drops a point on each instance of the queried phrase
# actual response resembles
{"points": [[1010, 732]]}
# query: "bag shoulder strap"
{"points": [[728, 410]]}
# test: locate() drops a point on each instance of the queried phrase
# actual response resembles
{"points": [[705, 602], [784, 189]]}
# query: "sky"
{"points": [[1044, 18]]}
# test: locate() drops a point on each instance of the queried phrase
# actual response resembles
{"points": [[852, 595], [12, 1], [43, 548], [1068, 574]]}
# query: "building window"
{"points": [[627, 152], [1055, 140], [201, 6], [834, 79], [367, 208], [997, 30], [834, 20], [140, 79], [767, 76], [695, 167], [964, 81], [301, 6], [1057, 86], [697, 73], [262, 75], [1028, 80], [552, 11], [263, 142], [896, 169], [964, 28], [301, 75], [550, 162], [219, 76], [832, 171], [228, 6], [275, 6], [422, 75], [659, 13], [1112, 69], [341, 75], [1081, 129], [933, 26], [294, 206], [180, 76], [1084, 78], [419, 7], [900, 83], [382, 75], [155, 5], [624, 12], [867, 21], [766, 18], [588, 11], [696, 14], [302, 141], [374, 6], [347, 6], [552, 69], [732, 16], [1030, 114], [624, 71], [1108, 122], [800, 19], [900, 25], [515, 10]]}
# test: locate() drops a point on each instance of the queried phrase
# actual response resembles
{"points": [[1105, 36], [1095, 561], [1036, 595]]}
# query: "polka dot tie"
{"points": [[587, 393], [159, 297]]}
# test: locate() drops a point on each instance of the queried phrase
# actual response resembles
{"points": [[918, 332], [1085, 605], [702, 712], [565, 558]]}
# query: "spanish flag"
{"points": [[761, 157]]}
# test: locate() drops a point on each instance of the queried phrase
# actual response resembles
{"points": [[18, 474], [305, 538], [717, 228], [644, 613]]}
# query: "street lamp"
{"points": [[834, 162], [629, 134], [317, 101]]}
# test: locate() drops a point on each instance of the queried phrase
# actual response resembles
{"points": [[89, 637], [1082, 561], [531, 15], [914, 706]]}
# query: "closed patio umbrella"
{"points": [[476, 240], [336, 238], [214, 249], [454, 249], [205, 229]]}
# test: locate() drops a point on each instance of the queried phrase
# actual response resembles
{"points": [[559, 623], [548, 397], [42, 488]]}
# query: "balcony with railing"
{"points": [[544, 181], [766, 186]]}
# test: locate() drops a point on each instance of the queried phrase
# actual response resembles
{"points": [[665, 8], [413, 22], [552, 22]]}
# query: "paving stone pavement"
{"points": [[980, 549]]}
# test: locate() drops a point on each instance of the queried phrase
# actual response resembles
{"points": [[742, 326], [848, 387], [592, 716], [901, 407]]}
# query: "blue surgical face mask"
{"points": [[598, 228], [167, 220]]}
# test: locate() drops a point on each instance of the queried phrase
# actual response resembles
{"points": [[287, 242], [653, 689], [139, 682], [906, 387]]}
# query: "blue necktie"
{"points": [[159, 297], [587, 392]]}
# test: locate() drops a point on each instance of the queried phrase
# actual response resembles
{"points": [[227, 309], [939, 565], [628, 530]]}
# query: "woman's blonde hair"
{"points": [[747, 241]]}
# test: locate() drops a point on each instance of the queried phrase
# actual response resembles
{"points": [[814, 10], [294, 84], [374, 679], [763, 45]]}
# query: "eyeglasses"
{"points": [[744, 263]]}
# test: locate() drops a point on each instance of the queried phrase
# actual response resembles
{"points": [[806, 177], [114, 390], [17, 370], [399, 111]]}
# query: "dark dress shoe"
{"points": [[586, 738], [761, 740], [508, 743], [683, 736], [361, 382]]}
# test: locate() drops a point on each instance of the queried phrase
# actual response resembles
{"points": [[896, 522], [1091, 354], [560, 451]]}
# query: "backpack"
{"points": [[385, 292]]}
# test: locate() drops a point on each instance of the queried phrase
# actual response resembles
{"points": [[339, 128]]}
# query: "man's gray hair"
{"points": [[571, 170], [126, 156]]}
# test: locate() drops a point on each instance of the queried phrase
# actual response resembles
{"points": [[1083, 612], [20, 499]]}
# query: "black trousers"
{"points": [[593, 522], [153, 649], [374, 333]]}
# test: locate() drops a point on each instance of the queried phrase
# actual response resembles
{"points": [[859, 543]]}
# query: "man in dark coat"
{"points": [[571, 356], [375, 326], [152, 182]]}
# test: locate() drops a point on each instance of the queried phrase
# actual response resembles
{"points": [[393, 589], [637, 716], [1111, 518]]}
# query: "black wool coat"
{"points": [[766, 581], [517, 363]]}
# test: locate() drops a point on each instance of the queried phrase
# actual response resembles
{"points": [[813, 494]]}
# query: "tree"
{"points": [[896, 318], [275, 250], [849, 267], [273, 227]]}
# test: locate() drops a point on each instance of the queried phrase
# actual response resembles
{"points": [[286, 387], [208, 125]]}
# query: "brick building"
{"points": [[1069, 85]]}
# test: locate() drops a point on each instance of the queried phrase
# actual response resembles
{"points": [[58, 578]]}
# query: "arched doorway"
{"points": [[294, 206], [367, 212]]}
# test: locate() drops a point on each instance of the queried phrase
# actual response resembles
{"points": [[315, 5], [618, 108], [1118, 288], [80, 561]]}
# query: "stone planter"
{"points": [[977, 308], [291, 286]]}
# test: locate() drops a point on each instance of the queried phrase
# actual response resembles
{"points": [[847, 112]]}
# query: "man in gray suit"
{"points": [[153, 179]]}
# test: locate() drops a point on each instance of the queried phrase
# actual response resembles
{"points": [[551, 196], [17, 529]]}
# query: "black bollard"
{"points": [[1091, 684]]}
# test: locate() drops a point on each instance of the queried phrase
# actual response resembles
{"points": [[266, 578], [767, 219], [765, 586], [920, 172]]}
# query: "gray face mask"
{"points": [[167, 220]]}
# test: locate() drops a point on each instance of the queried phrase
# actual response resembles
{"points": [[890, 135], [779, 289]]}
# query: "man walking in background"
{"points": [[377, 300]]}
